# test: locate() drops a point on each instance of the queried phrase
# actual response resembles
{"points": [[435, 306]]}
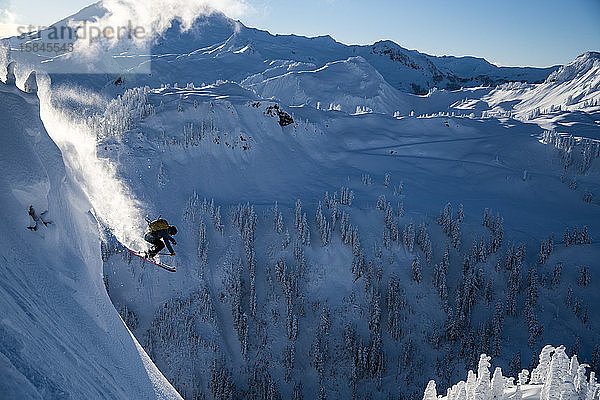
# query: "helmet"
{"points": [[172, 230]]}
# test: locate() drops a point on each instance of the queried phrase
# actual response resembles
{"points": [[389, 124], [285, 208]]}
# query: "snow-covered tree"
{"points": [[593, 388], [30, 85], [455, 234], [546, 248], [498, 385], [445, 219], [396, 305], [430, 392], [513, 262], [381, 202], [523, 377], [366, 179], [534, 328], [304, 231], [202, 245], [579, 379], [221, 384], [440, 283], [575, 237], [584, 277], [400, 209], [386, 180], [482, 386], [346, 196], [557, 375], [497, 327], [424, 242], [556, 273], [216, 218], [559, 378], [278, 220], [416, 269], [298, 214], [539, 374], [320, 347], [408, 236]]}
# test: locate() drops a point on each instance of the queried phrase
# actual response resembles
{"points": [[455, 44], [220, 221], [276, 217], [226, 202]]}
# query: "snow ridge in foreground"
{"points": [[555, 378]]}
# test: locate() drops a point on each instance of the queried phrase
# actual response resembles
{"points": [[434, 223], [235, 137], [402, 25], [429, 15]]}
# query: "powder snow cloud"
{"points": [[8, 20], [152, 18]]}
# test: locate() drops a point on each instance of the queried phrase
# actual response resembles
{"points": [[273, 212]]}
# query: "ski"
{"points": [[158, 264]]}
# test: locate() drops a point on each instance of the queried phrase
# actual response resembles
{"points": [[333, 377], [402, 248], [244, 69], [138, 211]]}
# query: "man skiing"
{"points": [[160, 235]]}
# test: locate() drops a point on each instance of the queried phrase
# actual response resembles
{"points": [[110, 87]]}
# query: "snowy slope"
{"points": [[222, 142], [574, 86], [568, 100], [351, 85], [60, 335]]}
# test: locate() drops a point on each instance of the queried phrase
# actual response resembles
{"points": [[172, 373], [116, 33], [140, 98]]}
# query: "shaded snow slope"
{"points": [[224, 142], [60, 336]]}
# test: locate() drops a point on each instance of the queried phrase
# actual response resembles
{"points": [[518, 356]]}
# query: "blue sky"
{"points": [[506, 32]]}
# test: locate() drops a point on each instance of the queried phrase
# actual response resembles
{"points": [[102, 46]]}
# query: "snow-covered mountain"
{"points": [[333, 86], [216, 47], [568, 100], [574, 86], [339, 237]]}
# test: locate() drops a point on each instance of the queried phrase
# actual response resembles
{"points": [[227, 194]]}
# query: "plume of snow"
{"points": [[8, 22], [112, 201], [150, 18]]}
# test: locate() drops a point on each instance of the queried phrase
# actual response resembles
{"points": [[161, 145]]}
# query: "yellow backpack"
{"points": [[158, 225]]}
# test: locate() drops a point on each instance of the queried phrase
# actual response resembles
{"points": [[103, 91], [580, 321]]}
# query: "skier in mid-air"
{"points": [[160, 234]]}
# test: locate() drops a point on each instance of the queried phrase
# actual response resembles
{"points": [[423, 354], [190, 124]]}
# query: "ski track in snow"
{"points": [[394, 146]]}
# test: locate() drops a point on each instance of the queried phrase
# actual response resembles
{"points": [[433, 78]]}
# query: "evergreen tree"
{"points": [[497, 327], [396, 305], [416, 269], [584, 277], [298, 214], [408, 236]]}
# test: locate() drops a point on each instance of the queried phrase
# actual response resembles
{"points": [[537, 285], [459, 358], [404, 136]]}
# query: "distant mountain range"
{"points": [[217, 47]]}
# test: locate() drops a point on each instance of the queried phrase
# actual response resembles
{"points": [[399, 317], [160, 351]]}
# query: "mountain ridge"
{"points": [[406, 70]]}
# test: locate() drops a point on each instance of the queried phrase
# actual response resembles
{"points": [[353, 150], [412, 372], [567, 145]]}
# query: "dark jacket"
{"points": [[158, 235]]}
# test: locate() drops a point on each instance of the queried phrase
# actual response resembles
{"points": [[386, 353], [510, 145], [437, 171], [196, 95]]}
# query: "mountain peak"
{"points": [[590, 55], [93, 12], [578, 67]]}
